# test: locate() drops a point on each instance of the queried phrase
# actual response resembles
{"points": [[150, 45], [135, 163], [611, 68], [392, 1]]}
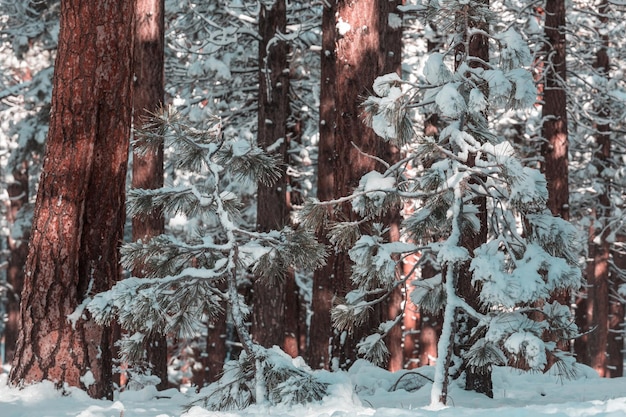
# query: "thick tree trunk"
{"points": [[268, 323], [18, 194], [354, 53], [79, 213], [148, 97]]}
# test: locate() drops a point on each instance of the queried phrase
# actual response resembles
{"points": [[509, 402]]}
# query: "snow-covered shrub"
{"points": [[269, 376]]}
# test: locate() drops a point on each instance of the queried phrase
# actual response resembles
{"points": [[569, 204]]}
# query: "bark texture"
{"points": [[148, 97], [350, 63], [79, 213]]}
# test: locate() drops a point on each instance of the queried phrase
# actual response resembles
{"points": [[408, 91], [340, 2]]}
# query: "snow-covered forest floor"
{"points": [[363, 391]]}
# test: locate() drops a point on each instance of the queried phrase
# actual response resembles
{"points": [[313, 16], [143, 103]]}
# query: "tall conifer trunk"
{"points": [[79, 213], [273, 204], [356, 48], [554, 149]]}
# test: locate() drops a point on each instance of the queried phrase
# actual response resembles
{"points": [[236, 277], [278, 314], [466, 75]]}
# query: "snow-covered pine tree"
{"points": [[528, 253], [181, 288]]}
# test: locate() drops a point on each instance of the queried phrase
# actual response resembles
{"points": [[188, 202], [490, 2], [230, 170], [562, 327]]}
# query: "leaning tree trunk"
{"points": [[148, 97], [79, 213], [273, 205], [352, 59]]}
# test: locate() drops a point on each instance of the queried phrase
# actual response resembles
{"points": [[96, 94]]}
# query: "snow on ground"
{"points": [[364, 391]]}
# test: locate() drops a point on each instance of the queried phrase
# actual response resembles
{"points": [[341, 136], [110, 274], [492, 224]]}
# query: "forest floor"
{"points": [[363, 391]]}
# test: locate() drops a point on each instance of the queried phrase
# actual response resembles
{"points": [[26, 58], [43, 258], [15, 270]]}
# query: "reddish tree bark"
{"points": [[148, 97], [273, 203], [79, 213], [350, 63]]}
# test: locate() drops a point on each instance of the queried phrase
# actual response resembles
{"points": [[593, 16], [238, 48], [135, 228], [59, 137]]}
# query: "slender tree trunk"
{"points": [[18, 194], [268, 323], [356, 49], [79, 213], [392, 43], [148, 97]]}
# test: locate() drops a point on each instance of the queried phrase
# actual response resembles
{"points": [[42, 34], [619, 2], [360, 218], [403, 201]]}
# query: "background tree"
{"points": [[17, 242], [147, 168], [79, 214], [357, 46], [597, 192]]}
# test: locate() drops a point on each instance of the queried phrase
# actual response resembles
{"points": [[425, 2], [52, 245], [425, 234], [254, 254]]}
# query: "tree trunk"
{"points": [[18, 194], [79, 213], [148, 97], [356, 48], [554, 112], [273, 204]]}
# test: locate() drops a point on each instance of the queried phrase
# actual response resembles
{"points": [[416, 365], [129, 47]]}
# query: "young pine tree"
{"points": [[184, 279], [527, 253]]}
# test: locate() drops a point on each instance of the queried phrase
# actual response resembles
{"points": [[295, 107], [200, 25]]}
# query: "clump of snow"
{"points": [[374, 185], [394, 21], [435, 70], [88, 379], [450, 101], [343, 27], [382, 84]]}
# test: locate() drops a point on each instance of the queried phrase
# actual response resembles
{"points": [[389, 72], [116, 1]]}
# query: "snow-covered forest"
{"points": [[342, 207]]}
